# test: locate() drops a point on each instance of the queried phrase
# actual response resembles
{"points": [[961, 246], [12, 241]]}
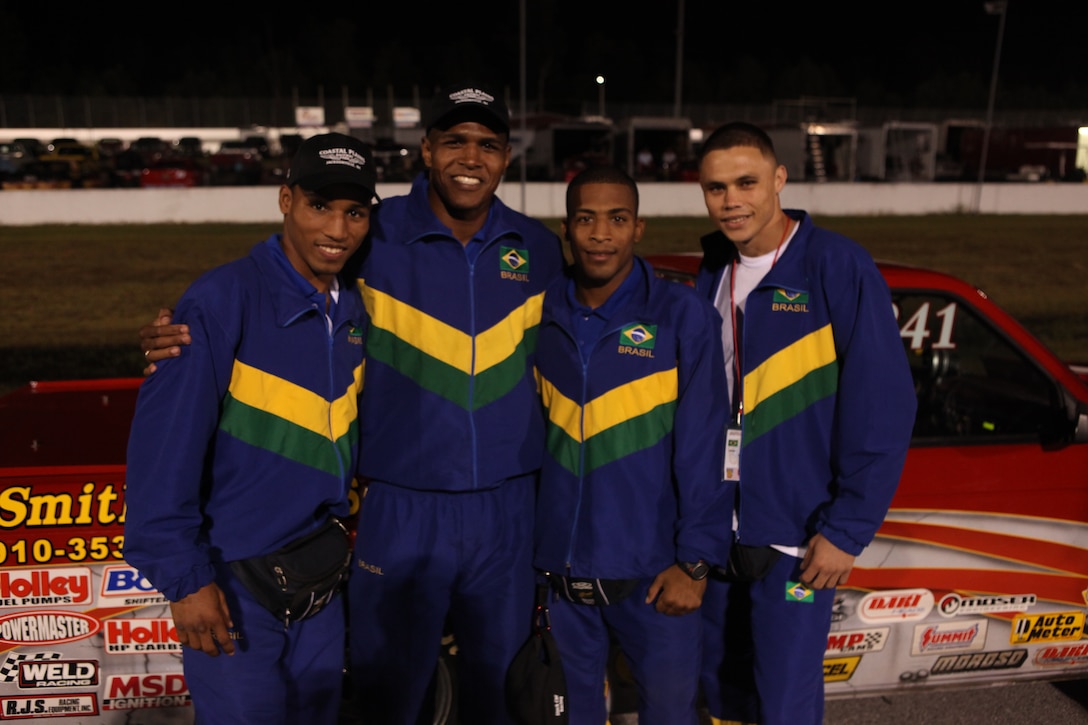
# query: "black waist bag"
{"points": [[297, 581], [747, 563], [592, 592]]}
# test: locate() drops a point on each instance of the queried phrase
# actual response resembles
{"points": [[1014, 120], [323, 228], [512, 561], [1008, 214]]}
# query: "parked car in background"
{"points": [[979, 573], [175, 172], [83, 162], [235, 163], [14, 156]]}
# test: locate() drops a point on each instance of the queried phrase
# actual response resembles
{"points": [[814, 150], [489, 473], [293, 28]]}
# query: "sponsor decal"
{"points": [[9, 671], [787, 301], [19, 708], [131, 692], [1065, 655], [514, 264], [130, 586], [948, 637], [1049, 627], [895, 605], [1006, 659], [953, 605], [57, 673], [46, 627], [37, 587], [840, 669], [798, 592], [857, 641], [141, 636]]}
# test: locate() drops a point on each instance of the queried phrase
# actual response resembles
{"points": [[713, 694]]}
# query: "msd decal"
{"points": [[131, 692], [33, 708], [57, 673], [141, 636], [945, 637], [895, 605], [131, 587], [38, 628], [37, 587], [1050, 627]]}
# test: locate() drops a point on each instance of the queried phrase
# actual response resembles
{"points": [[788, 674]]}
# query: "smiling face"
{"points": [[740, 187], [602, 228], [321, 230], [466, 162]]}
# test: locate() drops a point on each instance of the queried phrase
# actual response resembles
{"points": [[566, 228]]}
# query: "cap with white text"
{"points": [[468, 103], [333, 158]]}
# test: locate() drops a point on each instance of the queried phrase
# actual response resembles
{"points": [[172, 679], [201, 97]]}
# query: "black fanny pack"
{"points": [[592, 592], [747, 563], [297, 581]]}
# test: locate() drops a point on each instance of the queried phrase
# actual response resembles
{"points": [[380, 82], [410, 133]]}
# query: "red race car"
{"points": [[980, 571]]}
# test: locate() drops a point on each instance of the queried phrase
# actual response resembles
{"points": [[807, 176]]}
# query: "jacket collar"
{"points": [[291, 295], [419, 222]]}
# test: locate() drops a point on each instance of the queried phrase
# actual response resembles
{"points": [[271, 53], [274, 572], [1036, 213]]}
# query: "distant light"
{"points": [[600, 80]]}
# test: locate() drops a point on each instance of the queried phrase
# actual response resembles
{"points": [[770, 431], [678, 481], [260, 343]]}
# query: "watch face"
{"points": [[696, 571]]}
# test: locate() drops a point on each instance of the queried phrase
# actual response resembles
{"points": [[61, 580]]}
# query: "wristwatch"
{"points": [[696, 570]]}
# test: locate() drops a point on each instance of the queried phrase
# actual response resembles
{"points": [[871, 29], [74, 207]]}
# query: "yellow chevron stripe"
{"points": [[446, 343], [788, 365], [292, 402], [614, 407]]}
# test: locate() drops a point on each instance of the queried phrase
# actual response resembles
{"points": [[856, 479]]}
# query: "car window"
{"points": [[972, 382]]}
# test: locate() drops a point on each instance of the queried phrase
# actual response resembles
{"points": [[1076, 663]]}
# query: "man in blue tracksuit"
{"points": [[452, 433], [632, 505], [238, 449], [822, 406]]}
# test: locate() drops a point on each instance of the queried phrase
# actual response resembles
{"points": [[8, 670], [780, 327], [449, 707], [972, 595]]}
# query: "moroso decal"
{"points": [[1007, 659], [1049, 627], [46, 627]]}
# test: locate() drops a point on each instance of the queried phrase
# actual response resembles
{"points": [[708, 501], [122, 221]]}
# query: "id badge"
{"points": [[732, 454]]}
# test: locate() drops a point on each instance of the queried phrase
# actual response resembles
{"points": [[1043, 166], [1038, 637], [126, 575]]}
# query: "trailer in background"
{"points": [[664, 141], [817, 152], [898, 151]]}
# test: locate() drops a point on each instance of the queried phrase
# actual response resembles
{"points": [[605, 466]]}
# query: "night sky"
{"points": [[925, 53]]}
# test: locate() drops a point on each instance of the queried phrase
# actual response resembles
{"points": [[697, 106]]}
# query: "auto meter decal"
{"points": [[895, 605], [1049, 627], [46, 627]]}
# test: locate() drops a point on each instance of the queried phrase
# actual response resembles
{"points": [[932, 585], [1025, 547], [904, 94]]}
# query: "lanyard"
{"points": [[737, 380]]}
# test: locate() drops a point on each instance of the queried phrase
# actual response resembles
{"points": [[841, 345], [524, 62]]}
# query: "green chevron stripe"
{"points": [[636, 434], [790, 401]]}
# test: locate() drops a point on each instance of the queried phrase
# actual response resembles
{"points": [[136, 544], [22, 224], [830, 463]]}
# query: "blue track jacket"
{"points": [[632, 475], [450, 402], [249, 439], [829, 400]]}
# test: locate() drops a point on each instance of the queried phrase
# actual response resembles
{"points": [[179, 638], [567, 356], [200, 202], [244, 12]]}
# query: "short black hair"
{"points": [[599, 174], [738, 133]]}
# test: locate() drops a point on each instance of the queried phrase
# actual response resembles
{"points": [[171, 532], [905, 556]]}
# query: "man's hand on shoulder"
{"points": [[825, 565], [161, 339]]}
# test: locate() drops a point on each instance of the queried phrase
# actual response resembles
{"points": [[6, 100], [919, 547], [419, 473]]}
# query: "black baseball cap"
{"points": [[333, 158], [467, 102]]}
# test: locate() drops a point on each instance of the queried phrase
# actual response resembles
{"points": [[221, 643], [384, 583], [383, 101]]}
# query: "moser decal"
{"points": [[1049, 627], [58, 673], [37, 587], [895, 605], [19, 708], [953, 605], [948, 637], [857, 641], [131, 692], [46, 627], [142, 636]]}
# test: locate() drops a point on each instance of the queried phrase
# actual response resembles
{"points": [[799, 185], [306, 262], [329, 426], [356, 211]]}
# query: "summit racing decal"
{"points": [[514, 264], [27, 708], [38, 587], [948, 637], [46, 627], [638, 339], [1050, 627], [787, 301]]}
